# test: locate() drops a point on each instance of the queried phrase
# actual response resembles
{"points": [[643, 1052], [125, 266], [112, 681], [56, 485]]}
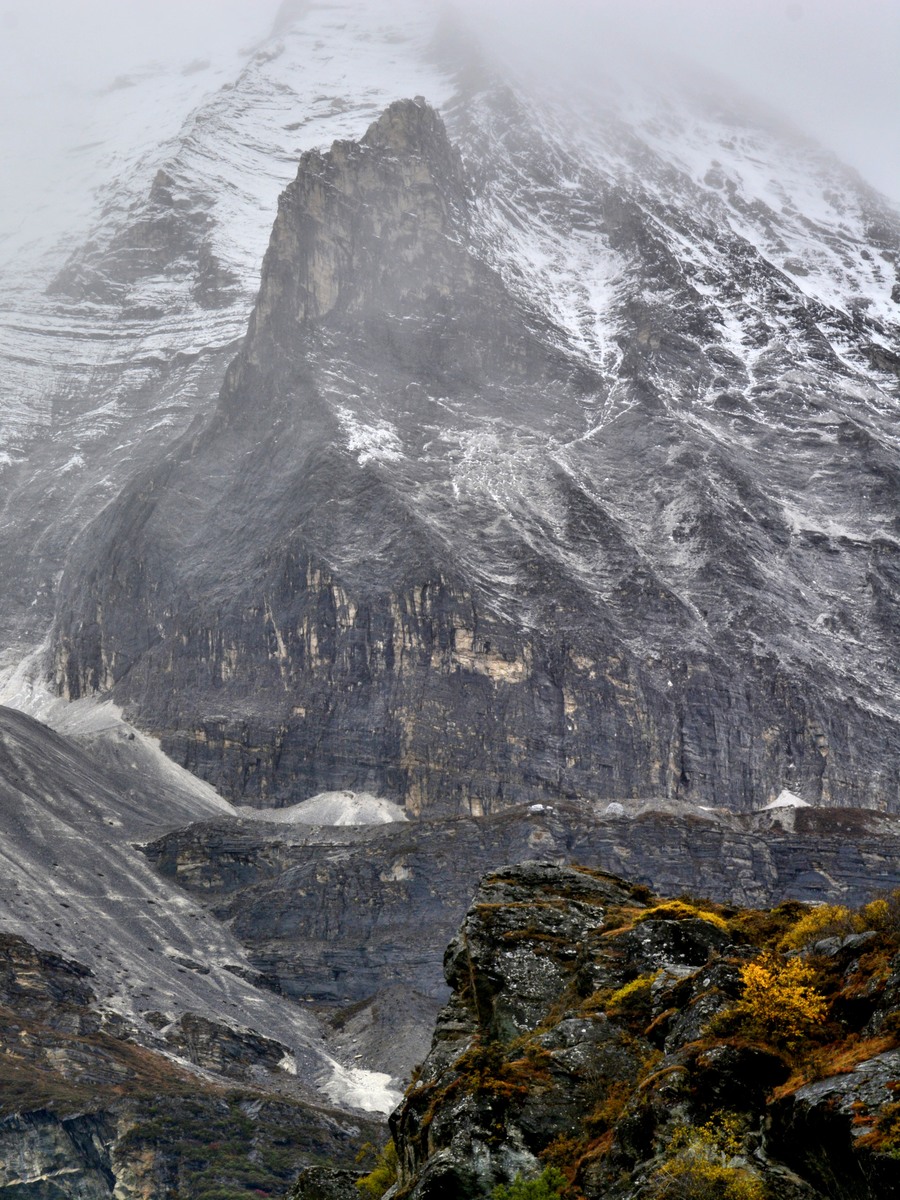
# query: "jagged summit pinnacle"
{"points": [[373, 225], [406, 125]]}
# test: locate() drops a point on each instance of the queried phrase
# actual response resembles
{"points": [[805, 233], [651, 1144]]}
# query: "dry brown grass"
{"points": [[837, 1058]]}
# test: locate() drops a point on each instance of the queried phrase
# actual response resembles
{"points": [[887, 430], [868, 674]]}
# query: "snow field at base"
{"points": [[112, 912], [359, 1088], [329, 808], [182, 797]]}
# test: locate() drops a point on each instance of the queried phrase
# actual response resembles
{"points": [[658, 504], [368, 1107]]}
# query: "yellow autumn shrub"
{"points": [[876, 914], [701, 1163], [632, 995], [825, 920], [679, 910], [780, 1003], [384, 1174], [882, 914]]}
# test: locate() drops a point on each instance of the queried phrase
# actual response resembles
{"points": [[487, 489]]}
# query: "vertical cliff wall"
{"points": [[404, 556]]}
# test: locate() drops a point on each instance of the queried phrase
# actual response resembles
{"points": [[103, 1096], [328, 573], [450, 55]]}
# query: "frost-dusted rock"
{"points": [[845, 947], [522, 946], [689, 1008], [891, 999], [687, 943]]}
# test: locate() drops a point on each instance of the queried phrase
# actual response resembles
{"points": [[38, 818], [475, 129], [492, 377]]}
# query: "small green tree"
{"points": [[383, 1175], [549, 1185]]}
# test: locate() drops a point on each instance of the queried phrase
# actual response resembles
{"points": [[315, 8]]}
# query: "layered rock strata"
{"points": [[339, 914]]}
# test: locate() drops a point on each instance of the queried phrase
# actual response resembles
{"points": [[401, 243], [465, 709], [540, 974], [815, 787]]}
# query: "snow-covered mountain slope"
{"points": [[124, 296], [746, 280], [623, 435]]}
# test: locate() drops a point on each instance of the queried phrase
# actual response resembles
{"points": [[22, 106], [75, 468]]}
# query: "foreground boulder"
{"points": [[617, 1047]]}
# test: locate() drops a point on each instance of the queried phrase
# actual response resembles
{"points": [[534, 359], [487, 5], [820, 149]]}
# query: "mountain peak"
{"points": [[372, 225], [408, 126]]}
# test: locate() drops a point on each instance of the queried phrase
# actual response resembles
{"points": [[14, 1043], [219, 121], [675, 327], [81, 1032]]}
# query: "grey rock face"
{"points": [[35, 982], [388, 1031], [219, 1048], [427, 549], [120, 313], [339, 914], [48, 1158]]}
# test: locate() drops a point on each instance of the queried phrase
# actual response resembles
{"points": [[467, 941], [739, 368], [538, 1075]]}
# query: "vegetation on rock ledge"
{"points": [[599, 1043]]}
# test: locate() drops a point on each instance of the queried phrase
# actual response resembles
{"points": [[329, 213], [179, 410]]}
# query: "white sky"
{"points": [[55, 53], [831, 66]]}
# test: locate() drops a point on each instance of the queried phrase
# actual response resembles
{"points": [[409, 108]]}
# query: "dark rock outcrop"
{"points": [[75, 885], [321, 1183], [609, 1037], [88, 1110], [817, 1129]]}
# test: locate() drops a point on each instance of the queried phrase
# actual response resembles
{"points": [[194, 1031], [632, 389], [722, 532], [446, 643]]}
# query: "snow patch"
{"points": [[330, 808], [378, 441], [368, 1090], [787, 799]]}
